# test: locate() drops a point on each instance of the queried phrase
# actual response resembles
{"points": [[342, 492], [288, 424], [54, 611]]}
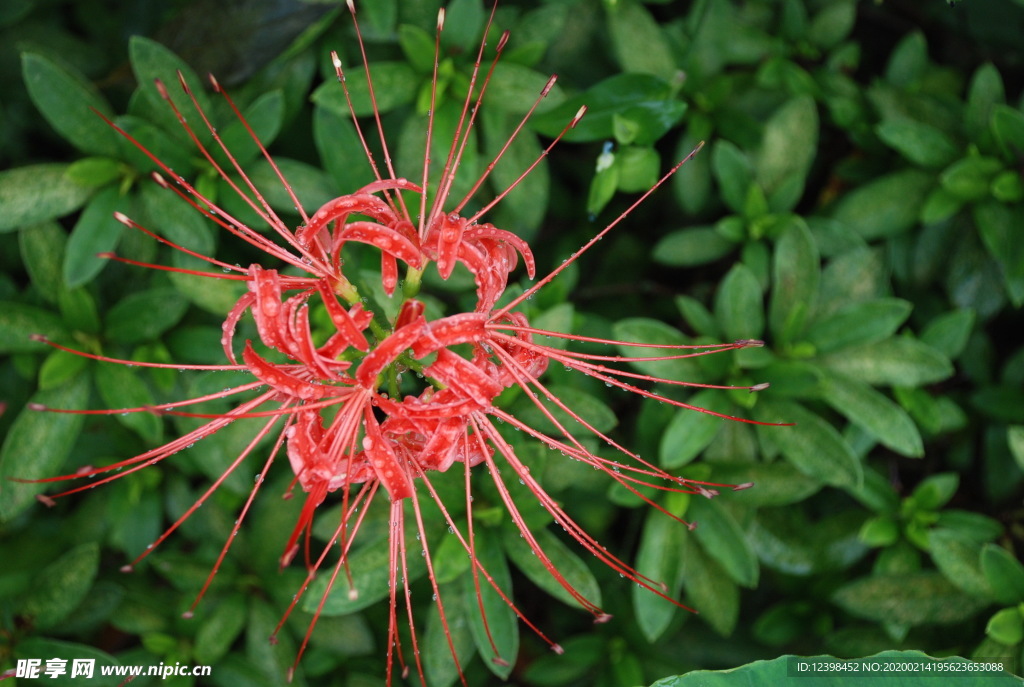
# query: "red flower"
{"points": [[332, 406]]}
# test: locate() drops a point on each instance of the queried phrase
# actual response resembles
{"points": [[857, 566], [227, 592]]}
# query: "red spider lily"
{"points": [[327, 404]]}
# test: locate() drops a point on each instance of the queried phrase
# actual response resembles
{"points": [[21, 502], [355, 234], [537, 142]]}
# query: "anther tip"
{"points": [[45, 500], [36, 406]]}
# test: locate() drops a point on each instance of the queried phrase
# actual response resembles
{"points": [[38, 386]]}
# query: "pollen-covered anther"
{"points": [[127, 568], [440, 19], [335, 60], [188, 615], [123, 218], [45, 500], [557, 648], [353, 594], [351, 6], [741, 487], [579, 115], [36, 406], [41, 338], [158, 178], [601, 618], [759, 387], [214, 83], [749, 343], [106, 255]]}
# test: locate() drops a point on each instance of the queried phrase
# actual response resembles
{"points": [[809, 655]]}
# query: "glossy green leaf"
{"points": [[1006, 626], [641, 98], [514, 89], [886, 206], [795, 275], [522, 210], [690, 432], [263, 118], [338, 146], [998, 223], [78, 309], [908, 61], [1015, 439], [969, 179], [899, 361], [42, 250], [219, 629], [42, 648], [38, 443], [986, 90], [1004, 573], [832, 24], [570, 566], [920, 143], [935, 491], [722, 538], [690, 247], [37, 193], [498, 623], [95, 232], [152, 62], [18, 322], [59, 367], [145, 315], [67, 101], [812, 445], [912, 599], [874, 412], [783, 669]]}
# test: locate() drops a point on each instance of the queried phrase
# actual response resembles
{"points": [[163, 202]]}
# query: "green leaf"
{"points": [[591, 409], [37, 193], [787, 150], [899, 361], [935, 491], [418, 47], [121, 387], [709, 589], [524, 208], [42, 251], [782, 670], [643, 99], [690, 432], [859, 324], [438, 663], [67, 101], [659, 557], [370, 566], [920, 143], [874, 412], [501, 624], [1004, 573], [733, 172], [959, 559], [812, 445], [885, 207], [514, 88], [1006, 626], [948, 333], [1015, 439], [998, 225], [970, 178], [832, 24], [630, 26], [220, 629], [96, 231], [908, 61], [144, 315], [18, 322], [38, 443], [775, 484], [263, 118], [61, 586], [152, 62], [915, 598], [655, 333], [795, 275], [338, 146], [723, 539], [394, 84], [1008, 127], [985, 92], [690, 247], [638, 168], [571, 567], [59, 367], [739, 305]]}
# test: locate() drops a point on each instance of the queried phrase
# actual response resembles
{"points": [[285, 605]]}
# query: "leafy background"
{"points": [[858, 204]]}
